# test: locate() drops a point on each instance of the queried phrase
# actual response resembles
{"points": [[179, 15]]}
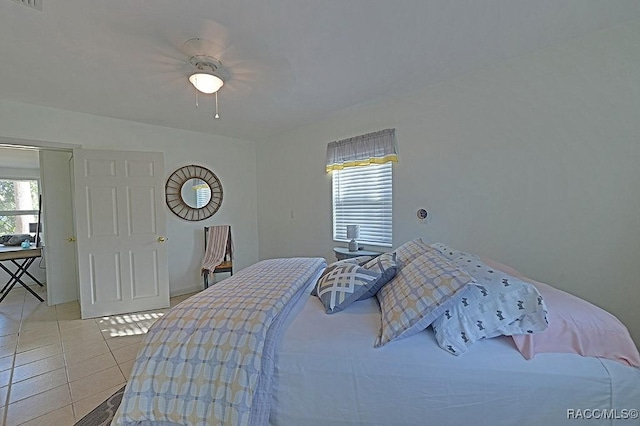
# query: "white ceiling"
{"points": [[292, 62]]}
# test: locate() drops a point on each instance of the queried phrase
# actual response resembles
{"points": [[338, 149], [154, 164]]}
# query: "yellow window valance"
{"points": [[372, 148]]}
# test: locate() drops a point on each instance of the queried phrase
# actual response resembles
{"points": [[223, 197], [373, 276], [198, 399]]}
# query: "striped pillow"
{"points": [[420, 292], [409, 251]]}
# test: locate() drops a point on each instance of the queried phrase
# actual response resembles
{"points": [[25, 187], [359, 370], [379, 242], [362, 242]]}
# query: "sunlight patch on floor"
{"points": [[128, 324]]}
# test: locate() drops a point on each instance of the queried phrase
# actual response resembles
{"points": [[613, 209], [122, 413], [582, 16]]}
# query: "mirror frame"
{"points": [[173, 193]]}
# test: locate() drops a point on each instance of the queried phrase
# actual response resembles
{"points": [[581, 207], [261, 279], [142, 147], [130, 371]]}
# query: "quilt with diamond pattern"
{"points": [[207, 361]]}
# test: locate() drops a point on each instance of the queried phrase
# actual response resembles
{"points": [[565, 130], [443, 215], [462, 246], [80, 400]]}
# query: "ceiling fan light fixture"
{"points": [[206, 83]]}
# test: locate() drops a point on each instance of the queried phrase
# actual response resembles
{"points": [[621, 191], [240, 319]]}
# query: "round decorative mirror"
{"points": [[193, 193]]}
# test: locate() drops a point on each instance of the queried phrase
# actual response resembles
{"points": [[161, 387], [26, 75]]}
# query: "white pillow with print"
{"points": [[497, 304]]}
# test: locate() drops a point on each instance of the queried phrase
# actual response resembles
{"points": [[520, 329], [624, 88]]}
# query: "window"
{"points": [[362, 186], [362, 196], [18, 205]]}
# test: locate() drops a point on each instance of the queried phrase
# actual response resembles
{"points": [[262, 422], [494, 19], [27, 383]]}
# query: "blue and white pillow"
{"points": [[497, 304], [460, 257], [349, 280], [358, 260], [343, 284], [386, 266]]}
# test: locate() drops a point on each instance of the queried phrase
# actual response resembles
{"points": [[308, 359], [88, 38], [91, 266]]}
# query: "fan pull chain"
{"points": [[197, 98], [217, 115]]}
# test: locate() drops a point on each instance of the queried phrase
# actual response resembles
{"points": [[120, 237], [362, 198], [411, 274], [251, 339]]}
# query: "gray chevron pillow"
{"points": [[343, 284], [358, 260], [386, 266]]}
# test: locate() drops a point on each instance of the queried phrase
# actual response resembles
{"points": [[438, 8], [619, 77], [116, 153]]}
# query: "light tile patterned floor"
{"points": [[56, 367]]}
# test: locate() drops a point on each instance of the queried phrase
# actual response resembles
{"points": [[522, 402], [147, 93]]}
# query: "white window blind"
{"points": [[362, 196], [203, 195]]}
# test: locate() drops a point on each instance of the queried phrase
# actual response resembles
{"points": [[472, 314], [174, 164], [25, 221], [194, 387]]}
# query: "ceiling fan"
{"points": [[209, 74], [214, 68]]}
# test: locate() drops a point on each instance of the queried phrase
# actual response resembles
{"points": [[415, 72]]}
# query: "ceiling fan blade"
{"points": [[248, 66], [261, 70]]}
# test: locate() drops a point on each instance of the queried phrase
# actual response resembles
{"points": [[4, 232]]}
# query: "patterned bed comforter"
{"points": [[209, 360]]}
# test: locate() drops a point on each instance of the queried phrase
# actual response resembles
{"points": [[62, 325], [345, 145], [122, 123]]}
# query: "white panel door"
{"points": [[120, 220], [58, 226]]}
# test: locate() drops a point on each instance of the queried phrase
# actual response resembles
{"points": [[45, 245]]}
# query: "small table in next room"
{"points": [[344, 253], [21, 259]]}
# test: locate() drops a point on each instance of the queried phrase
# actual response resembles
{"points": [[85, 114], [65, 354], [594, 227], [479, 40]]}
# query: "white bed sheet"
{"points": [[328, 372]]}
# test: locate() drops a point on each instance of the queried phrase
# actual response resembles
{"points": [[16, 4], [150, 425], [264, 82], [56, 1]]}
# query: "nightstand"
{"points": [[344, 253]]}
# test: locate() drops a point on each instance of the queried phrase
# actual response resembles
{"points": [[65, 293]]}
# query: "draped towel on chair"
{"points": [[217, 240]]}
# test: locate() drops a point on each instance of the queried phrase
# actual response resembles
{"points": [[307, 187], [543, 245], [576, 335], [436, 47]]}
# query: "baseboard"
{"points": [[185, 290]]}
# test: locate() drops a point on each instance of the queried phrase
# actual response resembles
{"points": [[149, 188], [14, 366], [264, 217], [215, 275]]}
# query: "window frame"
{"points": [[371, 229], [16, 213]]}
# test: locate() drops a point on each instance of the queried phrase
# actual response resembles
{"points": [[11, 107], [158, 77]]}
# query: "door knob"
{"points": [[71, 239], [162, 239]]}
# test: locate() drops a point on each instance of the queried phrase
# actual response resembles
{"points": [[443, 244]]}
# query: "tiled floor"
{"points": [[55, 367]]}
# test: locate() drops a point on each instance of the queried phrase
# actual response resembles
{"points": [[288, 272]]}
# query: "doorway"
{"points": [[50, 169]]}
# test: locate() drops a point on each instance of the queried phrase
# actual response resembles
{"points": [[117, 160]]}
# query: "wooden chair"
{"points": [[227, 262]]}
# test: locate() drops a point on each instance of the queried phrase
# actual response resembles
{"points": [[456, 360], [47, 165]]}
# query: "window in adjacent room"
{"points": [[18, 205], [362, 175]]}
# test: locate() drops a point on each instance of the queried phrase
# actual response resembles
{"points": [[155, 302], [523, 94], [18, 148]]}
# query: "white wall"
{"points": [[534, 162], [232, 160]]}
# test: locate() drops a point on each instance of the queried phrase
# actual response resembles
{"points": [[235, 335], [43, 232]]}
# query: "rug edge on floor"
{"points": [[103, 413]]}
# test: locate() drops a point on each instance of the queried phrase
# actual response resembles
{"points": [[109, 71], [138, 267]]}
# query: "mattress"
{"points": [[328, 372]]}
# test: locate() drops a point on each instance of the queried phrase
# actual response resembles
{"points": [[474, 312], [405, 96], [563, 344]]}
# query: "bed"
{"points": [[305, 367]]}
